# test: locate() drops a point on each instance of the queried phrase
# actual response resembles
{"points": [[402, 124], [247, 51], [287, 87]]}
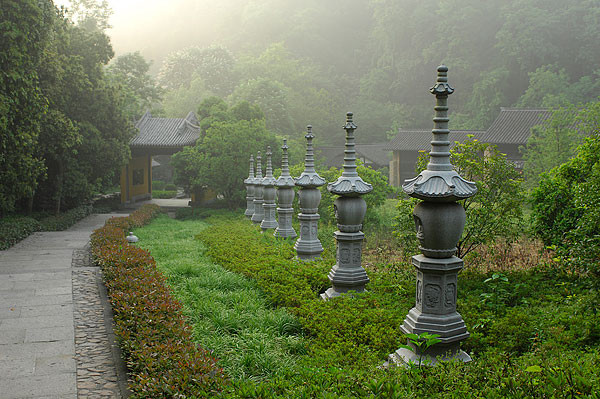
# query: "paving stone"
{"points": [[39, 386], [36, 349], [50, 334], [47, 310], [57, 320], [11, 337], [17, 368], [53, 291], [53, 364], [10, 312]]}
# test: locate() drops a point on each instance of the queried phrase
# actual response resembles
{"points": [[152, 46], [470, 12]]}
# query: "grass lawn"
{"points": [[535, 332]]}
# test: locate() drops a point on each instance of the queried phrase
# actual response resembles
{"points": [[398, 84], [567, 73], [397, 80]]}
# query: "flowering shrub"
{"points": [[157, 344]]}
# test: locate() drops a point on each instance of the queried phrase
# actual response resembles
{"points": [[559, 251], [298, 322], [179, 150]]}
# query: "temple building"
{"points": [[156, 136], [509, 131]]}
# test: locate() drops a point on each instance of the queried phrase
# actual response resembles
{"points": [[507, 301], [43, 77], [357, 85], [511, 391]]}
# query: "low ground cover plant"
{"points": [[15, 228], [534, 332], [162, 359]]}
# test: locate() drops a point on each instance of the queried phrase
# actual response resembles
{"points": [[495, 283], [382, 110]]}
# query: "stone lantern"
{"points": [[249, 182], [285, 197], [308, 246], [350, 209], [439, 222], [259, 212], [268, 184]]}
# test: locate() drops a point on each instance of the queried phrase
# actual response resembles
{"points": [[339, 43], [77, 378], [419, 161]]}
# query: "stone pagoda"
{"points": [[249, 182], [268, 183], [285, 198], [439, 222], [308, 246], [350, 208], [259, 212]]}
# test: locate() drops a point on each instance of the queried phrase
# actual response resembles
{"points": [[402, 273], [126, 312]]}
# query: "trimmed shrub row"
{"points": [[157, 344]]}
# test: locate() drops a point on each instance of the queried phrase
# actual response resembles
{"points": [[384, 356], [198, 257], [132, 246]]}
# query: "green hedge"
{"points": [[162, 359], [164, 193]]}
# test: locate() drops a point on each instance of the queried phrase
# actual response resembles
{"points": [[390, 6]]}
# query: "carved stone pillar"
{"points": [[268, 184], [439, 222], [259, 213], [285, 196], [249, 182], [308, 246], [350, 209]]}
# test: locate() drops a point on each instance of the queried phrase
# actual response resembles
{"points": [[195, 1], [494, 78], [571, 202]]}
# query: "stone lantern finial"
{"points": [[268, 184], [249, 182], [440, 182], [308, 246], [285, 196], [259, 212], [350, 208], [439, 223]]}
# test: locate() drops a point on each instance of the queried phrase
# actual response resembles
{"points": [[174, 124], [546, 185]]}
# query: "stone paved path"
{"points": [[55, 333]]}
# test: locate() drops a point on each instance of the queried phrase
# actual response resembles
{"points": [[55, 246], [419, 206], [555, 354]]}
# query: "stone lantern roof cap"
{"points": [[440, 182], [250, 179], [309, 178], [350, 183], [258, 176], [268, 180], [285, 180]]}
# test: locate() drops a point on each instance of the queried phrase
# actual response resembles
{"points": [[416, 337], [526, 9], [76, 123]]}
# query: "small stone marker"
{"points": [[350, 208], [259, 212], [285, 197], [249, 182], [268, 184], [131, 238], [439, 223], [308, 246]]}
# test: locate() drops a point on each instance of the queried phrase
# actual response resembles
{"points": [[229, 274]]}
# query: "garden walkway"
{"points": [[55, 328]]}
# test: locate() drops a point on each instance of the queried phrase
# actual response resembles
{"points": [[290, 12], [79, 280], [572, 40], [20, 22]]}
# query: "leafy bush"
{"points": [[381, 191], [164, 193], [496, 209], [170, 187], [566, 208], [15, 228], [161, 357]]}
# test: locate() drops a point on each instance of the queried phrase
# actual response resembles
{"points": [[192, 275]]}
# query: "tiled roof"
{"points": [[166, 132], [513, 125], [420, 140], [334, 156]]}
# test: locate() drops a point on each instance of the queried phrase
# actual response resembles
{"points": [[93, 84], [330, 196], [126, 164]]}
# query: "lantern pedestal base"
{"points": [[404, 357]]}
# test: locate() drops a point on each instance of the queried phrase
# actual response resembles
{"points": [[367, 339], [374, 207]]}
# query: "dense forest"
{"points": [[68, 103], [310, 62]]}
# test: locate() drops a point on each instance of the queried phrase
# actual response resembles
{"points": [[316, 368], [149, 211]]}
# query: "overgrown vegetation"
{"points": [[534, 332]]}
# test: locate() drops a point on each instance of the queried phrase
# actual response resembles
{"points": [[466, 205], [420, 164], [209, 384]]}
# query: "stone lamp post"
{"points": [[268, 184], [285, 196], [259, 212], [249, 182], [350, 208], [439, 222], [308, 246]]}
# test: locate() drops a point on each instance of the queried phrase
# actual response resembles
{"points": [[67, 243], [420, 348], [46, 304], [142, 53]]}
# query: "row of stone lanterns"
{"points": [[347, 274], [439, 222]]}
